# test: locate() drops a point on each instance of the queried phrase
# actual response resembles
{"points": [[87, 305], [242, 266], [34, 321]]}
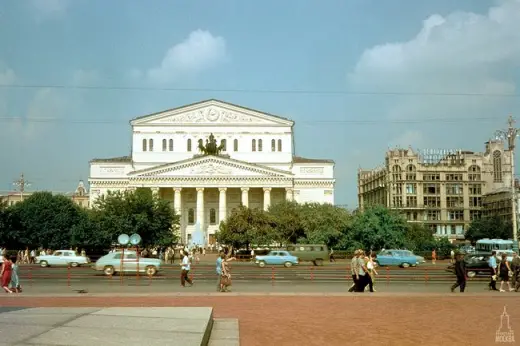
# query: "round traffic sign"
{"points": [[135, 239], [123, 239]]}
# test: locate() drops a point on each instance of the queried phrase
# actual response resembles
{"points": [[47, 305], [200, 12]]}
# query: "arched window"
{"points": [[259, 145], [223, 142], [164, 145], [497, 166], [191, 216], [253, 144], [474, 173], [144, 144], [235, 145], [212, 216], [279, 145], [189, 145], [410, 168], [170, 148], [150, 145], [273, 145]]}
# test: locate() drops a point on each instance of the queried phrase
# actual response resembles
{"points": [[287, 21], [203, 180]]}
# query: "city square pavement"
{"points": [[399, 319], [88, 326]]}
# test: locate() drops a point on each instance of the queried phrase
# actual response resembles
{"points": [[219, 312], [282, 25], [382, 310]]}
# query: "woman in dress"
{"points": [[6, 273], [225, 280], [15, 281], [503, 272]]}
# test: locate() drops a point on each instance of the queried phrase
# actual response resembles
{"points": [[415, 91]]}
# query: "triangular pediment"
{"points": [[212, 112], [211, 166]]}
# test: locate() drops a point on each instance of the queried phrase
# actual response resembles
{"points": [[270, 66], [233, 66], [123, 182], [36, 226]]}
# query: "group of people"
{"points": [[9, 275], [363, 269], [505, 272], [499, 269]]}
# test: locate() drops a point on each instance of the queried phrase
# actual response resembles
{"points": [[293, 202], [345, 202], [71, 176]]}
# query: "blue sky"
{"points": [[346, 46]]}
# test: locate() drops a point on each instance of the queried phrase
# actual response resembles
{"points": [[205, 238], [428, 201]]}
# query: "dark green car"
{"points": [[315, 253]]}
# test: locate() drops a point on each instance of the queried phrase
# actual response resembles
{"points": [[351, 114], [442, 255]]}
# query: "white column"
{"points": [[289, 194], [267, 198], [177, 200], [222, 204], [200, 207], [245, 196]]}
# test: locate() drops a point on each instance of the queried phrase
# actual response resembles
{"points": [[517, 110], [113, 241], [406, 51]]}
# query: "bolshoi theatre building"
{"points": [[208, 158]]}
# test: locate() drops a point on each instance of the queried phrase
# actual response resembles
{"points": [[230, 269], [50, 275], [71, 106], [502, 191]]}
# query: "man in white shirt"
{"points": [[186, 266]]}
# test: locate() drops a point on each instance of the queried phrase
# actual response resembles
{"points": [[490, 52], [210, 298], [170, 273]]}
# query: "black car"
{"points": [[475, 264]]}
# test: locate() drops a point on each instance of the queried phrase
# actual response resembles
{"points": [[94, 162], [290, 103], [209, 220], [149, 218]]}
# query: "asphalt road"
{"points": [[335, 276]]}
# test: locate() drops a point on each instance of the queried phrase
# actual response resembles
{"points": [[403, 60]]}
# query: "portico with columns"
{"points": [[210, 157]]}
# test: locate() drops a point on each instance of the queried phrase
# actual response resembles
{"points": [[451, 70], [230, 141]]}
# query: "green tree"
{"points": [[419, 237], [489, 227], [131, 212], [324, 224], [288, 216], [246, 226], [46, 220], [377, 227]]}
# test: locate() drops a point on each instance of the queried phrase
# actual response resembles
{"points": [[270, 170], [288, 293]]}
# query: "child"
{"points": [[15, 281]]}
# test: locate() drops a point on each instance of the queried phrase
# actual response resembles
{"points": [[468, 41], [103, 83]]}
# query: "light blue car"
{"points": [[399, 258], [277, 257]]}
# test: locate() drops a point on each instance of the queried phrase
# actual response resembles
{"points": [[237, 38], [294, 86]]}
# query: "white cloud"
{"points": [[200, 51], [44, 9], [45, 108], [86, 77], [463, 53]]}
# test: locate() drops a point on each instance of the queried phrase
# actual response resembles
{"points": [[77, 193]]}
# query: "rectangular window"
{"points": [[411, 201], [411, 189], [454, 177], [455, 202], [475, 202], [455, 215], [432, 202], [432, 177], [398, 201], [431, 189], [432, 215], [475, 189], [454, 189], [475, 214]]}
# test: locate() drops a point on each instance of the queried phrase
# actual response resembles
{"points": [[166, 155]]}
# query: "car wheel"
{"points": [[74, 264], [287, 264], [472, 274], [109, 270], [151, 271], [44, 264], [405, 265], [261, 264], [319, 262]]}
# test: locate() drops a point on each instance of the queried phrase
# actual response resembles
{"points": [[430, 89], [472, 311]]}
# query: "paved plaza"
{"points": [[89, 326], [317, 319]]}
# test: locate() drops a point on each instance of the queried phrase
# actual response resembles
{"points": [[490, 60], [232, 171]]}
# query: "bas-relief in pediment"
{"points": [[212, 114], [209, 169]]}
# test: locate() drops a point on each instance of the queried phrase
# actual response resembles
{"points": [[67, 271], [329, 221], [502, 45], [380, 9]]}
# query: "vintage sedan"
{"points": [[114, 262], [400, 258], [62, 258], [277, 257]]}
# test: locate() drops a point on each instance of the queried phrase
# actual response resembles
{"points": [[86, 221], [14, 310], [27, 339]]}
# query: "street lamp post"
{"points": [[21, 184], [510, 134]]}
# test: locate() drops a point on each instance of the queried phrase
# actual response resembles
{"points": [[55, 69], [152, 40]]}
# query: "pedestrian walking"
{"points": [[185, 266], [504, 272], [460, 272], [354, 271], [225, 281], [363, 280], [220, 258], [515, 268], [492, 263], [372, 272], [452, 256], [15, 278], [434, 256], [6, 273]]}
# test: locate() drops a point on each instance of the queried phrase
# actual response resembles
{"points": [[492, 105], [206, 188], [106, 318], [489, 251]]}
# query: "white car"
{"points": [[62, 258], [113, 263]]}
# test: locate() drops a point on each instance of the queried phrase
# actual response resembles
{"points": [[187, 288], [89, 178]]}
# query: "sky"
{"points": [[357, 76]]}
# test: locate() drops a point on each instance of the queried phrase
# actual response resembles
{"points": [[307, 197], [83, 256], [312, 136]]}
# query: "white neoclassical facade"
{"points": [[257, 166]]}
